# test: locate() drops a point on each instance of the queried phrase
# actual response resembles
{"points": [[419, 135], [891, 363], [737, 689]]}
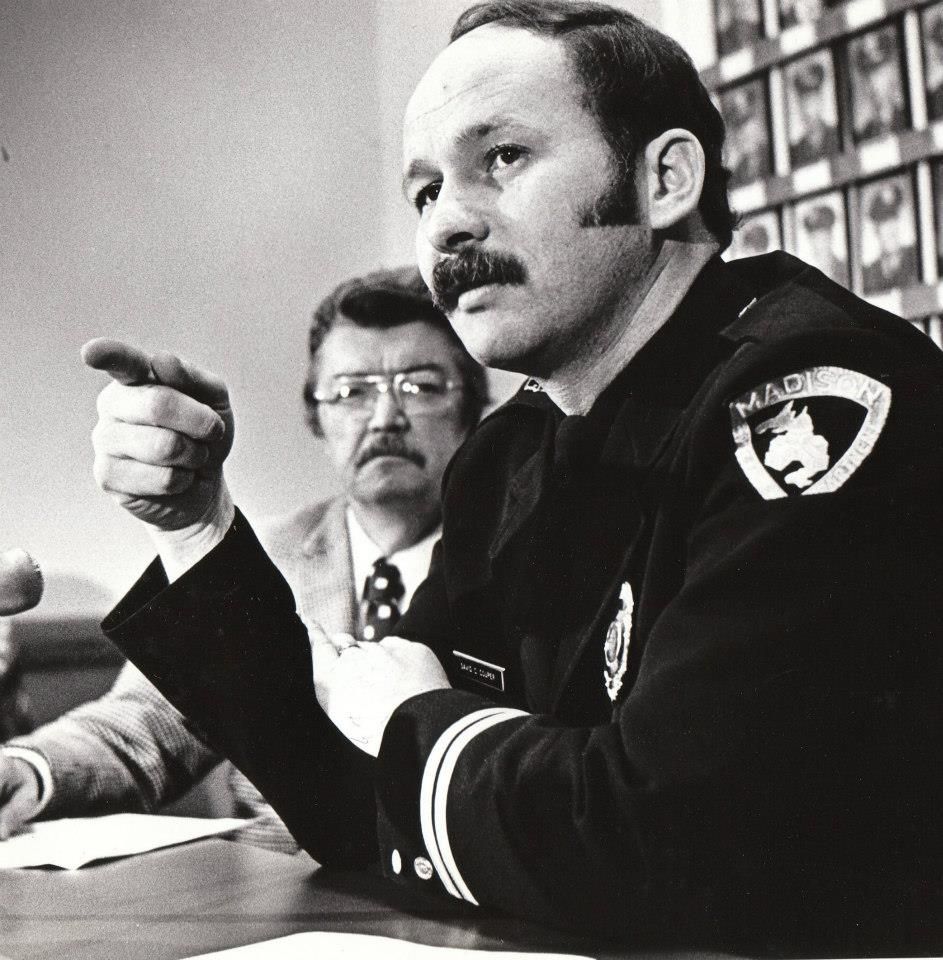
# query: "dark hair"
{"points": [[638, 83], [390, 298]]}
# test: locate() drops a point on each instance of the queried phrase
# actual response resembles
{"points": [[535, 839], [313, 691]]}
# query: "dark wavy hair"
{"points": [[390, 298], [637, 82]]}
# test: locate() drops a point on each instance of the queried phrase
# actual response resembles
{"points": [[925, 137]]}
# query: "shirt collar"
{"points": [[412, 561]]}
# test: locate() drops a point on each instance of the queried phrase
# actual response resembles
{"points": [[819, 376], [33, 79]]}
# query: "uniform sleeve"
{"points": [[224, 645], [774, 761], [128, 750]]}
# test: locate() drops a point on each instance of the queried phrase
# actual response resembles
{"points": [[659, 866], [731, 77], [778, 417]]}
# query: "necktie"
{"points": [[382, 593]]}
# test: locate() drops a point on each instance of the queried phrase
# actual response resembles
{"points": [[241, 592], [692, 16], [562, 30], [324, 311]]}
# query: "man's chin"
{"points": [[390, 489], [492, 337]]}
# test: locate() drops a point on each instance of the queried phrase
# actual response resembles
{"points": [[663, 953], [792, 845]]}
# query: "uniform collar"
{"points": [[632, 419]]}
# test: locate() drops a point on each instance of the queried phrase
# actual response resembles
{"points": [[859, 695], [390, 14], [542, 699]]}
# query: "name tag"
{"points": [[489, 674]]}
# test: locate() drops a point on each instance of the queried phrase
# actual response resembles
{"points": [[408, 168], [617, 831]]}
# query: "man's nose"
{"points": [[388, 412], [455, 221]]}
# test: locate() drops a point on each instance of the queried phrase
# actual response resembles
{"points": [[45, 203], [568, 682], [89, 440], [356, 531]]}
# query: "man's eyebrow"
{"points": [[473, 133]]}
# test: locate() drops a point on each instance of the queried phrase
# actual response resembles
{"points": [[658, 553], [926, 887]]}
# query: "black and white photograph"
{"points": [[746, 113], [878, 84], [739, 22], [822, 235], [812, 108], [794, 12], [759, 233], [889, 254], [444, 514], [932, 24]]}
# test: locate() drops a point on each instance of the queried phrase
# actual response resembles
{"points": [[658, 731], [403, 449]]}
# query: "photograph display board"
{"points": [[834, 116]]}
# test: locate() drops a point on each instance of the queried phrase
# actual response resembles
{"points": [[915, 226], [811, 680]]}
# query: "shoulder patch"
{"points": [[808, 432]]}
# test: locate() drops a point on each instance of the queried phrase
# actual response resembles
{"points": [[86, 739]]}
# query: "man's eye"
{"points": [[423, 386], [503, 155], [428, 194], [351, 391]]}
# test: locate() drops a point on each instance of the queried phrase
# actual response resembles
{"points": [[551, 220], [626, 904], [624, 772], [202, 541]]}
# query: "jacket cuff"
{"points": [[422, 744], [42, 770]]}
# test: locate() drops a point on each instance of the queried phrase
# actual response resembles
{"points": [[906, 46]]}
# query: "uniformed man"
{"points": [[748, 148], [792, 12], [674, 676], [819, 225], [896, 264], [934, 48], [817, 131], [879, 105], [739, 22]]}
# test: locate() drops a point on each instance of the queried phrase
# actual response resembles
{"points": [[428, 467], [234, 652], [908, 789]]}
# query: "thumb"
{"points": [[191, 380]]}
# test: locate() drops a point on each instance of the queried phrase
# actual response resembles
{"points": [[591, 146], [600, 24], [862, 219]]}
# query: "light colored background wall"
{"points": [[193, 176]]}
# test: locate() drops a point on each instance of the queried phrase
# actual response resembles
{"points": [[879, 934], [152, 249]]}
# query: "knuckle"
{"points": [[168, 445]]}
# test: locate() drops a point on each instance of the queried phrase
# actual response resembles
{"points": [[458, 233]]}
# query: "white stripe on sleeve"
{"points": [[434, 791]]}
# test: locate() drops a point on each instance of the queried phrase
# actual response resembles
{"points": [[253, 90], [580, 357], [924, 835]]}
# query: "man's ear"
{"points": [[674, 172]]}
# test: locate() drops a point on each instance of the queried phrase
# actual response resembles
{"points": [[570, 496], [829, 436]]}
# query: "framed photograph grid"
{"points": [[834, 112]]}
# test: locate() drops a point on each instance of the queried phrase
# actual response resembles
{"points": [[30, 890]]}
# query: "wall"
{"points": [[189, 175], [193, 175]]}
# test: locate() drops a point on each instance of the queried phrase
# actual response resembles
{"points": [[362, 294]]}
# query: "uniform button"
{"points": [[423, 868], [397, 862]]}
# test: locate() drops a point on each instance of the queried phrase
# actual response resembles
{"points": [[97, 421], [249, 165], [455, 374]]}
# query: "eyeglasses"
{"points": [[417, 392]]}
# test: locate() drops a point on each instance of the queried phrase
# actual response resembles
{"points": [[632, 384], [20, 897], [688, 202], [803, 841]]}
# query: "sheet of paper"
{"points": [[360, 946], [73, 842]]}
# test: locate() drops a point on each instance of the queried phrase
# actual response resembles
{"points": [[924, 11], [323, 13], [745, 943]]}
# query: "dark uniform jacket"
{"points": [[693, 637]]}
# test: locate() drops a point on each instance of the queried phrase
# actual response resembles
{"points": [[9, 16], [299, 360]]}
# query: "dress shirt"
{"points": [[412, 562]]}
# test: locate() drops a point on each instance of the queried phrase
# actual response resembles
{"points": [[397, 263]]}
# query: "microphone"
{"points": [[21, 582]]}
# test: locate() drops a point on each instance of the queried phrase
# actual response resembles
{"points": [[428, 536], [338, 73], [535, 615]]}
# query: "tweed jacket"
{"points": [[131, 750]]}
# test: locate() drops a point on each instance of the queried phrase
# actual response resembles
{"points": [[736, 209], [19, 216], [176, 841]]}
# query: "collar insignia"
{"points": [[616, 649], [809, 431], [532, 386]]}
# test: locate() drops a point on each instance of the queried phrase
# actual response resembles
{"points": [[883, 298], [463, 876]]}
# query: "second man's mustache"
{"points": [[389, 446], [469, 269]]}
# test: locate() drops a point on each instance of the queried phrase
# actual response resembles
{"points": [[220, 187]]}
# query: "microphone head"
{"points": [[21, 582]]}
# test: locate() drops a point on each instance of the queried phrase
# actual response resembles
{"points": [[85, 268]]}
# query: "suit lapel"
{"points": [[325, 589]]}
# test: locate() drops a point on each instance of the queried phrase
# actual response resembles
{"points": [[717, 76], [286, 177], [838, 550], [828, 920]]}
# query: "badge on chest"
{"points": [[616, 648]]}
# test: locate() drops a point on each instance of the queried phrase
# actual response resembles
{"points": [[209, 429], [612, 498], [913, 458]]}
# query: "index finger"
{"points": [[121, 361]]}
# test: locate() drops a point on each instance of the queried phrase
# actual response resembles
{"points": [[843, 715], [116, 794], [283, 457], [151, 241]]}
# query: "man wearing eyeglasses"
{"points": [[391, 392]]}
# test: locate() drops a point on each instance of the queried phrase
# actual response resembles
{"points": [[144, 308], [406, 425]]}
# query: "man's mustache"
{"points": [[385, 445], [469, 269]]}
